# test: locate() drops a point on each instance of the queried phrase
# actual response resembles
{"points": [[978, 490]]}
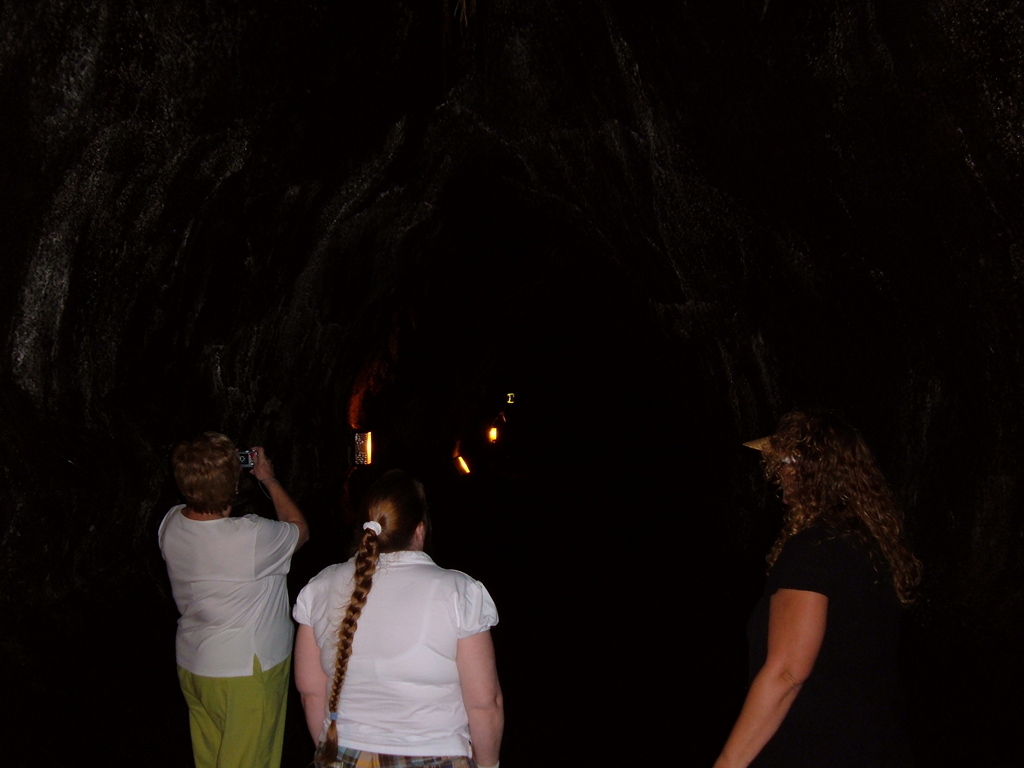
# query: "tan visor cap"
{"points": [[760, 444]]}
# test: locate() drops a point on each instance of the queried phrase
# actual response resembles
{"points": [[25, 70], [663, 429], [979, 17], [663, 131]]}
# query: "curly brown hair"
{"points": [[830, 477], [397, 503]]}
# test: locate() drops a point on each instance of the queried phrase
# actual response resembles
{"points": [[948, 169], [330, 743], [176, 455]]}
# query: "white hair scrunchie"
{"points": [[373, 525]]}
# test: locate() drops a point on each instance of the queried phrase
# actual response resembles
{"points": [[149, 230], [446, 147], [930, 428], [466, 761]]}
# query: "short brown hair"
{"points": [[207, 471]]}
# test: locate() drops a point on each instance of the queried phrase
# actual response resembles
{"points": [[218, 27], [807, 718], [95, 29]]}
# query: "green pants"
{"points": [[237, 722]]}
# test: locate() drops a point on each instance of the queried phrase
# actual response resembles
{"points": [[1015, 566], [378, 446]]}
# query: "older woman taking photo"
{"points": [[823, 638], [393, 656], [228, 575]]}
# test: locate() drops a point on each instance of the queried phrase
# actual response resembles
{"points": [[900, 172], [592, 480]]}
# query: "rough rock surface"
{"points": [[660, 225]]}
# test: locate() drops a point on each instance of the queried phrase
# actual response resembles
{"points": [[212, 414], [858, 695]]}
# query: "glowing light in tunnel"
{"points": [[511, 397], [492, 434], [462, 465], [364, 447]]}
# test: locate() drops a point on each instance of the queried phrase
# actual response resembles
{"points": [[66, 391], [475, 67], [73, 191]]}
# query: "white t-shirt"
{"points": [[401, 694], [228, 576]]}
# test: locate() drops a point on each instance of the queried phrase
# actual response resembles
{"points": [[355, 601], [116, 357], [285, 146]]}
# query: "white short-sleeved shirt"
{"points": [[401, 693], [228, 576]]}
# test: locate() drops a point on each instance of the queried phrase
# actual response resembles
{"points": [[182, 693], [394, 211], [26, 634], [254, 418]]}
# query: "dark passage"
{"points": [[659, 228]]}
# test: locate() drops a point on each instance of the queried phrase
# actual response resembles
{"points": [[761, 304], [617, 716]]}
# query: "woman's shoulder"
{"points": [[333, 578], [427, 571], [827, 545], [420, 561], [168, 518], [461, 577], [331, 575], [813, 558], [471, 605], [451, 575], [824, 537], [826, 556]]}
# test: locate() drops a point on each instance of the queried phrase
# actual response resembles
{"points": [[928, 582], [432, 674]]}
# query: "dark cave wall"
{"points": [[231, 215]]}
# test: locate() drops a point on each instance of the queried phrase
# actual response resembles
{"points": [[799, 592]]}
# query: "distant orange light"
{"points": [[364, 447], [492, 434], [463, 466]]}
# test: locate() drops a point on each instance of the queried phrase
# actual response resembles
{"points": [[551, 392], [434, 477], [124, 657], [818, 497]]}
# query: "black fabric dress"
{"points": [[849, 711]]}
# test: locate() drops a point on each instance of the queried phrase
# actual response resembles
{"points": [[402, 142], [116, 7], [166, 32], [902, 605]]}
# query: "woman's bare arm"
{"points": [[796, 628], [310, 680], [481, 693], [287, 510]]}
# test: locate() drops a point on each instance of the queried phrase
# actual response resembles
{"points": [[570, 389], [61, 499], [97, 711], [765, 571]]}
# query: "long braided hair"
{"points": [[395, 502], [832, 479]]}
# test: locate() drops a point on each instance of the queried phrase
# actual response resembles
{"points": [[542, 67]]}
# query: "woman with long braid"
{"points": [[417, 685]]}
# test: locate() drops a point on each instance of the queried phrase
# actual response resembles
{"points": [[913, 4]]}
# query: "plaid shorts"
{"points": [[354, 758]]}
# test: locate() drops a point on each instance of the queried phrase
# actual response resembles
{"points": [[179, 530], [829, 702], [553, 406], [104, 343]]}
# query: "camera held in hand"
{"points": [[245, 458]]}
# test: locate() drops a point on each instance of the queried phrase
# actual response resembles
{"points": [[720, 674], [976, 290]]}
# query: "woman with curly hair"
{"points": [[823, 638], [416, 686]]}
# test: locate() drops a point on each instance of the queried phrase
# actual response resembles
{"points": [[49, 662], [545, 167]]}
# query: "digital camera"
{"points": [[245, 458]]}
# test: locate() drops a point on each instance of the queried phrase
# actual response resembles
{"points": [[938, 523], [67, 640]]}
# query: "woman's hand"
{"points": [[262, 468], [796, 629]]}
